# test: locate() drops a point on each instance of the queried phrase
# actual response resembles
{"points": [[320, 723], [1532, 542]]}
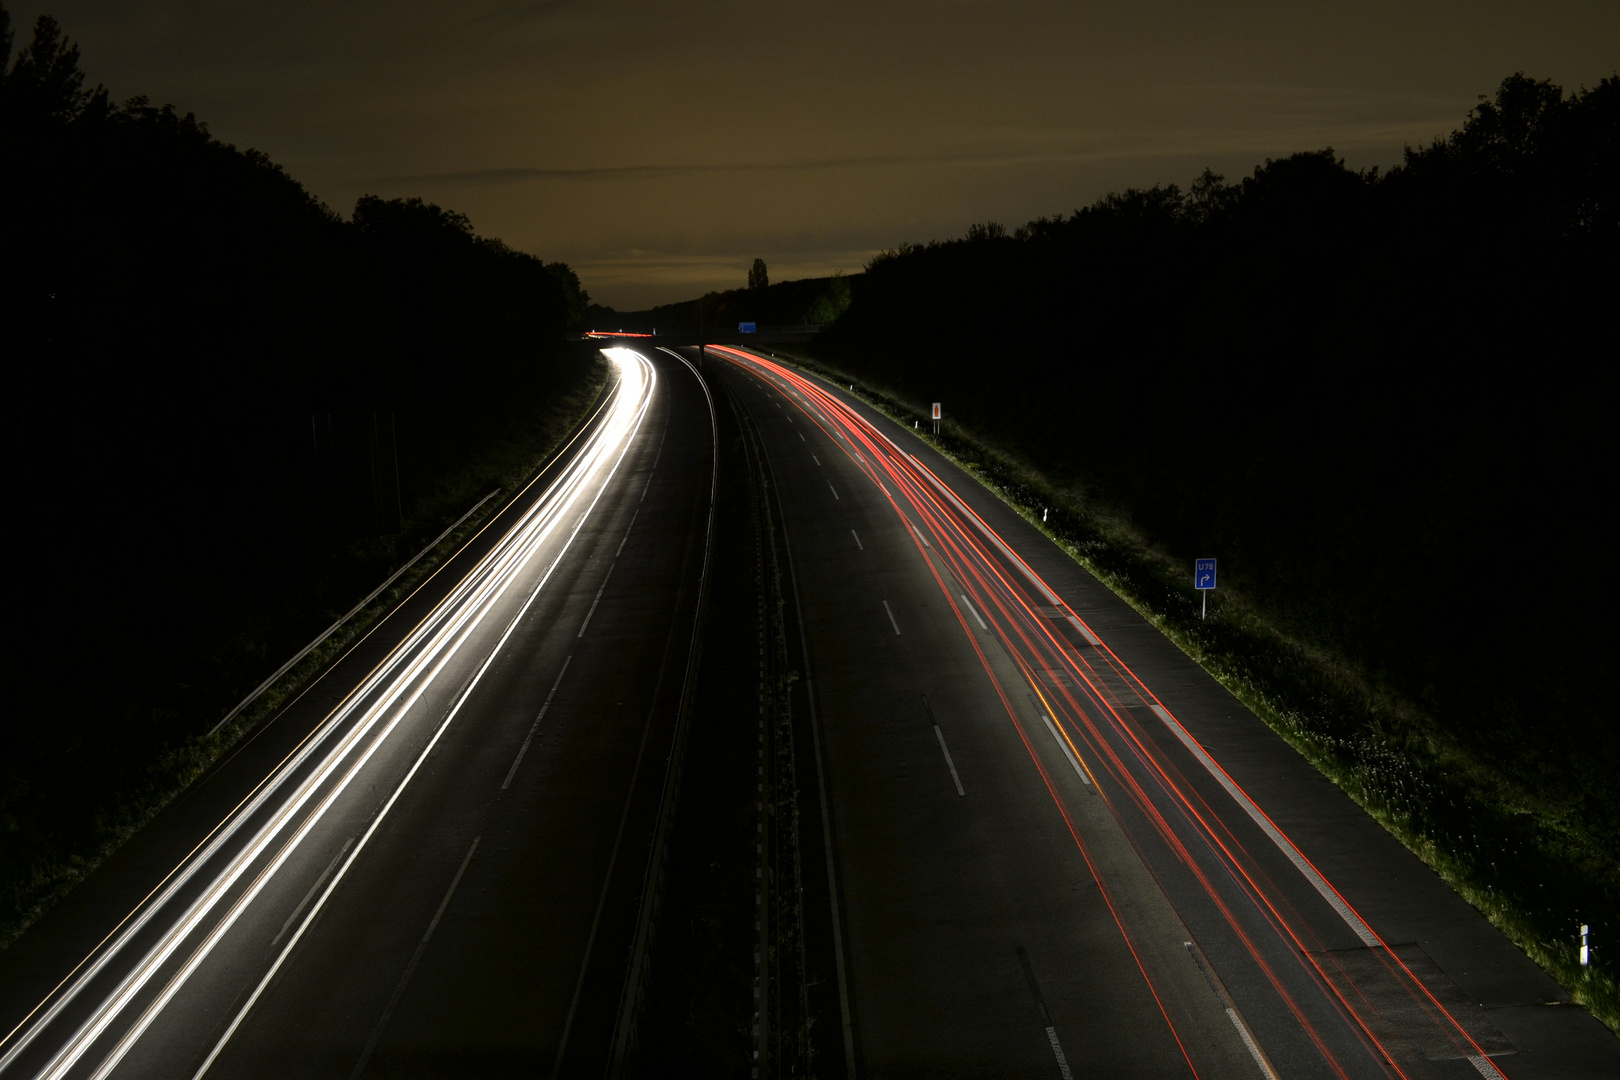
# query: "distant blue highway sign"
{"points": [[1204, 574], [745, 328]]}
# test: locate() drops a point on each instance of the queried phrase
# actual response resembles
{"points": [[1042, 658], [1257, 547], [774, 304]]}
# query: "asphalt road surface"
{"points": [[1036, 840], [1059, 848], [430, 864]]}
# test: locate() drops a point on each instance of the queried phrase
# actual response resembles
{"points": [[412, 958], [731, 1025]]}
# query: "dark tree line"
{"points": [[1384, 400], [782, 303], [211, 376]]}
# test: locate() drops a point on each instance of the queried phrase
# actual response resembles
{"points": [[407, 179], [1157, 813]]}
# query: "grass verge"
{"points": [[1527, 864], [143, 793]]}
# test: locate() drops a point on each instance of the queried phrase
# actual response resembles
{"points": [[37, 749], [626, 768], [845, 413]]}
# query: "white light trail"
{"points": [[402, 679]]}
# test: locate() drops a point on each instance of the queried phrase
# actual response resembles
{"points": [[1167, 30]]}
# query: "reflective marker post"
{"points": [[1586, 945], [1204, 581]]}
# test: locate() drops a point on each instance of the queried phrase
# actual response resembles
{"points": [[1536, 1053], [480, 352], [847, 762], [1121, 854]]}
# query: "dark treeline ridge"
{"points": [[786, 303], [212, 375], [1384, 400]]}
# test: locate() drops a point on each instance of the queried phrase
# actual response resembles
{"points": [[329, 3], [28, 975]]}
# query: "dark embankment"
{"points": [[211, 379], [1381, 400]]}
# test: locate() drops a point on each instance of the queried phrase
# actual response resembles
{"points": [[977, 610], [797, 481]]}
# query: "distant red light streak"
{"points": [[1032, 644]]}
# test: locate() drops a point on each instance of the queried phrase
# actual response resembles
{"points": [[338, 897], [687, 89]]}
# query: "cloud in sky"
{"points": [[660, 146]]}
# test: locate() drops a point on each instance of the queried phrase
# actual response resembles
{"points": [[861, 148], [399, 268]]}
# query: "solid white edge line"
{"points": [[1284, 845]]}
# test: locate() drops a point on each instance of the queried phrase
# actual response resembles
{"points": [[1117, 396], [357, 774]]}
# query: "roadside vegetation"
{"points": [[234, 413], [1380, 399]]}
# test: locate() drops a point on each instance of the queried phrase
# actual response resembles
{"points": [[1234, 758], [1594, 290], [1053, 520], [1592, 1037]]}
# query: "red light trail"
{"points": [[1087, 692]]}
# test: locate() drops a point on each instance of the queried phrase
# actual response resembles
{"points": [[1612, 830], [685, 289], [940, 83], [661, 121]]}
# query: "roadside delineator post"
{"points": [[1586, 945]]}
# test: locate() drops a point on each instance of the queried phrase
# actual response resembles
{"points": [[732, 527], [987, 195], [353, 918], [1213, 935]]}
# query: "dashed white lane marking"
{"points": [[832, 489], [816, 460], [535, 726], [949, 764], [627, 532], [973, 611], [410, 969], [922, 536], [1029, 574], [302, 904], [1091, 639], [598, 600], [1215, 984], [1284, 845], [858, 543], [1046, 1018], [890, 613], [1068, 751], [1057, 1051], [1249, 1044], [800, 434]]}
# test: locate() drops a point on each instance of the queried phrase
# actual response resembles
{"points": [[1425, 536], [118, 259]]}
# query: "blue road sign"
{"points": [[1204, 574], [745, 328]]}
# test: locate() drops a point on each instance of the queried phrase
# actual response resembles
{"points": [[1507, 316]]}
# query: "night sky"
{"points": [[660, 146]]}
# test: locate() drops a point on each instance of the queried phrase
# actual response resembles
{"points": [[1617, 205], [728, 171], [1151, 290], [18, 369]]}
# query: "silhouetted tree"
{"points": [[194, 336], [1319, 367], [758, 279], [1210, 197]]}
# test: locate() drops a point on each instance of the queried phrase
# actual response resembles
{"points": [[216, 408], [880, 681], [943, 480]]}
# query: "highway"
{"points": [[432, 860], [1057, 847], [1003, 827]]}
